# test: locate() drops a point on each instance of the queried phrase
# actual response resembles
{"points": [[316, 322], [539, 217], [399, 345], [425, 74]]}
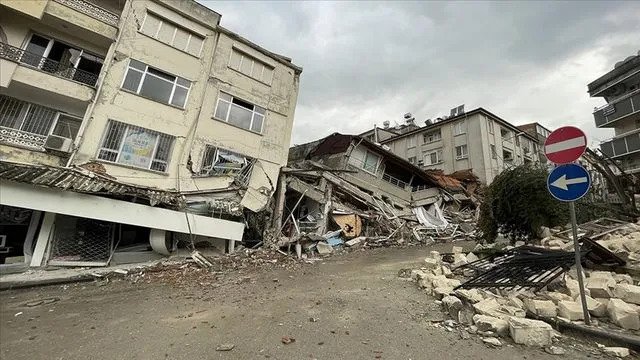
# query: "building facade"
{"points": [[149, 94], [477, 140], [620, 88]]}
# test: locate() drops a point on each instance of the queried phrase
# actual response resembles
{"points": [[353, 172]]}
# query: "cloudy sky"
{"points": [[367, 62]]}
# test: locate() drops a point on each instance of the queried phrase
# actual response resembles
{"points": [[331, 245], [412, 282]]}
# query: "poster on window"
{"points": [[138, 148]]}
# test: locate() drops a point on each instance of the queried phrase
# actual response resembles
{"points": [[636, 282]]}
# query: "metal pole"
{"points": [[576, 246]]}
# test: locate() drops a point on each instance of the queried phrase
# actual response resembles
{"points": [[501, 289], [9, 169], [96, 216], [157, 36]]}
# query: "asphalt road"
{"points": [[352, 306]]}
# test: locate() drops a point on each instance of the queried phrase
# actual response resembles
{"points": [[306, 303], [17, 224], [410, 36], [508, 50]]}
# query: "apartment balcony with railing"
{"points": [[621, 146], [93, 10], [98, 17], [621, 108]]}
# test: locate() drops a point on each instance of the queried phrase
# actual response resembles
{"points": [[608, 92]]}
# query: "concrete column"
{"points": [[44, 236], [280, 197], [31, 234]]}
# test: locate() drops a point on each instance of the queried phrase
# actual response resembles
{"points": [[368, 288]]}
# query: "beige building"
{"points": [[477, 140], [145, 94]]}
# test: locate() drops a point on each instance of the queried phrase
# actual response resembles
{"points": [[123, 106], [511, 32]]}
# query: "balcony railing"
{"points": [[394, 181], [621, 107], [621, 146], [21, 138], [21, 56], [92, 10]]}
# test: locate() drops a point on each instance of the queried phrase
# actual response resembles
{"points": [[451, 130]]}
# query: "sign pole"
{"points": [[576, 246]]}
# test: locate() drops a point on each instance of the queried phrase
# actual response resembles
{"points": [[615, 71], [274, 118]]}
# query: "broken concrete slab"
{"points": [[486, 306], [624, 315], [628, 293], [471, 257], [623, 279], [459, 259], [492, 341], [470, 295], [434, 255], [600, 287], [557, 297], [570, 310], [490, 323], [418, 274], [456, 249], [541, 308], [441, 292], [452, 304], [616, 351], [572, 287], [324, 248], [530, 332], [431, 263], [595, 307], [355, 242]]}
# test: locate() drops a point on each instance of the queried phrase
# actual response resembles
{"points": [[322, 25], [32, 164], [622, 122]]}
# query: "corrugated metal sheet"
{"points": [[83, 181]]}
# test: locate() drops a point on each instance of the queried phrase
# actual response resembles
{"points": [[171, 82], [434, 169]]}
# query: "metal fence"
{"points": [[45, 64], [81, 242], [24, 123]]}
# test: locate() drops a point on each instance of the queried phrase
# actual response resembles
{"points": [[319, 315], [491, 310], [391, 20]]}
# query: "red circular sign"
{"points": [[565, 145]]}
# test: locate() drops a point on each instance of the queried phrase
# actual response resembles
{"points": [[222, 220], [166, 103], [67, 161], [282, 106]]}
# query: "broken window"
{"points": [[218, 161], [432, 137], [155, 84], [371, 161], [172, 34], [461, 152], [507, 155], [240, 113], [459, 128], [506, 134], [251, 66], [135, 146], [433, 158]]}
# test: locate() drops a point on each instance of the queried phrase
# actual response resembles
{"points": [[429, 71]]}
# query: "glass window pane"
{"points": [[161, 74], [234, 63], [163, 149], [240, 116], [246, 65], [67, 126], [257, 123], [137, 65], [226, 97], [156, 89], [150, 26], [35, 50], [195, 45], [181, 39], [166, 32], [115, 132], [179, 96], [259, 110], [132, 80], [370, 162], [137, 147], [184, 82], [633, 142], [221, 110], [267, 74]]}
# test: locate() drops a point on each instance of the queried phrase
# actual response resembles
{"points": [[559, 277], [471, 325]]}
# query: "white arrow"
{"points": [[562, 182]]}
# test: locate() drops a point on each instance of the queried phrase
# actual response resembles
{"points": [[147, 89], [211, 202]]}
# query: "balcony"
{"points": [[92, 10], [621, 146], [55, 68], [22, 138], [394, 181], [96, 23], [606, 115]]}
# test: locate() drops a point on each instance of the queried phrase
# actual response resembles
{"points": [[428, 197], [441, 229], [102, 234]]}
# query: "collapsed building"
{"points": [[127, 126]]}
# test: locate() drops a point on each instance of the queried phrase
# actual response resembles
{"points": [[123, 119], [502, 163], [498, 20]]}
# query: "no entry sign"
{"points": [[565, 145]]}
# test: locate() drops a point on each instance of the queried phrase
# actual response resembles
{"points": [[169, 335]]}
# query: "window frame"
{"points": [[490, 126], [428, 134], [230, 104], [216, 155], [428, 154], [494, 151], [411, 142], [144, 76], [364, 162], [162, 20], [506, 138], [26, 106], [459, 128], [463, 154], [121, 143], [254, 60]]}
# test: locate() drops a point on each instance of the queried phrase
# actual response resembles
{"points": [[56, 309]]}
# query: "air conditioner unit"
{"points": [[57, 143]]}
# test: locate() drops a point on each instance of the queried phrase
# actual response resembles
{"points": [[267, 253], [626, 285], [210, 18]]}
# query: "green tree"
{"points": [[517, 204]]}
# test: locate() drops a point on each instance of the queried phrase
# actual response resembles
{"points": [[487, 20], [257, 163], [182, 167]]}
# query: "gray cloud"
{"points": [[366, 62]]}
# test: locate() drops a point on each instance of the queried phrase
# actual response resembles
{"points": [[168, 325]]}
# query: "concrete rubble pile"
{"points": [[524, 316]]}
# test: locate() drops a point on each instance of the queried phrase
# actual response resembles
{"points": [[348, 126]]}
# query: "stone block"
{"points": [[355, 242], [628, 293], [530, 332], [435, 255], [490, 323], [470, 295], [512, 311], [418, 274], [492, 341], [452, 304], [514, 301], [446, 271], [456, 249], [616, 351], [557, 297], [601, 275], [324, 248], [623, 279], [541, 308], [600, 287], [595, 307], [570, 310], [459, 259], [486, 307], [624, 315], [442, 291], [572, 288], [471, 257], [431, 263]]}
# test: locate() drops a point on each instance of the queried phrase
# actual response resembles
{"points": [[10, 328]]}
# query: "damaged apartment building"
{"points": [[349, 182], [127, 126]]}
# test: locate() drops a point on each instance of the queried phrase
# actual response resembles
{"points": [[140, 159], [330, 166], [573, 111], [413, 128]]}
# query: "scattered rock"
{"points": [[595, 307], [431, 263], [570, 310], [489, 323], [354, 242], [530, 332], [616, 351], [225, 347], [471, 257], [628, 293], [600, 287], [471, 295], [554, 350], [623, 314], [486, 307], [623, 279], [456, 249], [541, 308], [459, 259], [287, 340], [452, 304], [492, 341], [324, 248]]}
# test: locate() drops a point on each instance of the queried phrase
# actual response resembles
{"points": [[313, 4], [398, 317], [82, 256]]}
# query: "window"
{"points": [[371, 161], [494, 153], [240, 113], [411, 141], [433, 158], [251, 66], [135, 146], [507, 155], [412, 159], [171, 34], [461, 152], [459, 128], [517, 140], [155, 84], [218, 161], [506, 134], [432, 137], [490, 124], [62, 60], [67, 126]]}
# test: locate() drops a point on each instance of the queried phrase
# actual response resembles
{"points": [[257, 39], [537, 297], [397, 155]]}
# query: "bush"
{"points": [[517, 204]]}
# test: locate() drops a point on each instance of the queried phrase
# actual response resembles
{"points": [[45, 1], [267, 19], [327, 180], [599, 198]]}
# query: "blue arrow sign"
{"points": [[568, 182]]}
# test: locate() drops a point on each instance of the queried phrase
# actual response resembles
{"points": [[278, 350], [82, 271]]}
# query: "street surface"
{"points": [[351, 306]]}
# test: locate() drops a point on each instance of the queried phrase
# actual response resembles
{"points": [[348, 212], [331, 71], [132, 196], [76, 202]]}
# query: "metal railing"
{"points": [[621, 146], [394, 181], [421, 187], [21, 56], [21, 138], [618, 108], [23, 123], [92, 10]]}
